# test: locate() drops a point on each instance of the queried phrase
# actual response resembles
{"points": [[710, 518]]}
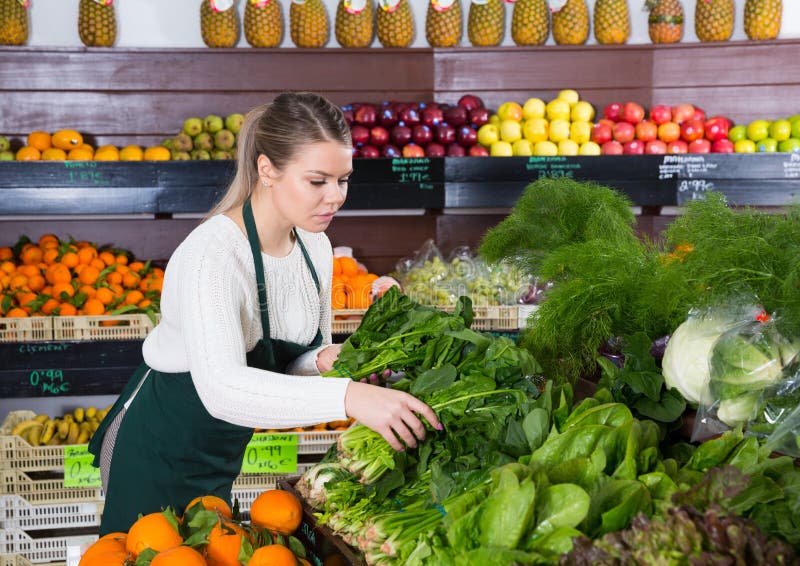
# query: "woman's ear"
{"points": [[266, 171]]}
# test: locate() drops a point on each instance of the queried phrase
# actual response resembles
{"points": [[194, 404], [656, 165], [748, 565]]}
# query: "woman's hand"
{"points": [[378, 378], [327, 356], [390, 413]]}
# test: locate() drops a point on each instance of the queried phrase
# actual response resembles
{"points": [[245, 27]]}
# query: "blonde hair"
{"points": [[278, 130]]}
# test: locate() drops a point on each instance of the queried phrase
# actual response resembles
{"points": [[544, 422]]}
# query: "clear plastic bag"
{"points": [[778, 415]]}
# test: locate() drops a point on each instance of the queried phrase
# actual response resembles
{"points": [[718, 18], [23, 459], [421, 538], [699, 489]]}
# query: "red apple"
{"points": [[444, 134], [699, 114], [478, 151], [455, 150], [478, 117], [424, 105], [611, 148], [432, 116], [722, 146], [390, 150], [607, 122], [692, 130], [682, 112], [421, 134], [660, 114], [470, 102], [601, 133], [369, 152], [677, 146], [716, 128], [632, 113], [400, 135], [365, 115], [646, 131], [701, 145], [413, 150], [348, 114], [613, 111], [434, 149], [409, 116], [359, 135], [634, 147], [669, 131], [623, 132], [456, 116], [387, 117], [378, 136], [655, 147], [466, 136]]}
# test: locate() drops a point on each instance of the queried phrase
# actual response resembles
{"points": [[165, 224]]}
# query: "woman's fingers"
{"points": [[422, 409], [415, 425], [389, 436]]}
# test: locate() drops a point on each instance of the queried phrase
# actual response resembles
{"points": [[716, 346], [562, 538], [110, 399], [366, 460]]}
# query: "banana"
{"points": [[20, 428], [84, 435], [55, 441], [95, 425], [63, 429], [34, 434], [49, 431], [79, 414], [74, 430], [69, 418], [91, 412], [42, 418]]}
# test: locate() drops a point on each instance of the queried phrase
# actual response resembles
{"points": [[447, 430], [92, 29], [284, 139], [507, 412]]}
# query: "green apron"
{"points": [[169, 449]]}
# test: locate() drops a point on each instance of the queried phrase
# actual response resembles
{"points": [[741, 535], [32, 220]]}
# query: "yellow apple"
{"points": [[582, 112], [501, 149], [580, 132], [488, 134], [536, 129], [534, 108], [559, 130], [589, 148], [494, 119], [510, 111], [522, 147], [510, 131], [568, 147], [545, 148], [557, 109], [569, 95]]}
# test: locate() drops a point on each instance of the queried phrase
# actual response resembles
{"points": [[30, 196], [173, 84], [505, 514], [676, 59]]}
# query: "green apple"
{"points": [[495, 119], [569, 95], [757, 130], [233, 122], [780, 130], [794, 118], [522, 147], [510, 131], [510, 111], [536, 129], [6, 156], [557, 109], [589, 148], [5, 145], [737, 133], [792, 145], [533, 108], [767, 145], [213, 123], [796, 129], [582, 112], [501, 149], [744, 146], [193, 126], [568, 147], [488, 134], [580, 132], [545, 148], [559, 130]]}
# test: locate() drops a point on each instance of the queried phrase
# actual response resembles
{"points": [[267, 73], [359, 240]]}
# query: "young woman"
{"points": [[245, 327]]}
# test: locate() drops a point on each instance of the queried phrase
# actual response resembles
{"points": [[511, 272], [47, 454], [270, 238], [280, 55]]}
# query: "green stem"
{"points": [[473, 396]]}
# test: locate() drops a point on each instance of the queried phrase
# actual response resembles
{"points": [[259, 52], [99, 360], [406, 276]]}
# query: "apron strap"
{"points": [[308, 259], [255, 247]]}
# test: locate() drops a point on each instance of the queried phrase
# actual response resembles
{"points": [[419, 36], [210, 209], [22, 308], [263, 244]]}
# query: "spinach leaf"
{"points": [[433, 380], [560, 505]]}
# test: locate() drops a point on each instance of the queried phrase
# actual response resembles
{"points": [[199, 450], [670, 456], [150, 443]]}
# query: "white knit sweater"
{"points": [[210, 319]]}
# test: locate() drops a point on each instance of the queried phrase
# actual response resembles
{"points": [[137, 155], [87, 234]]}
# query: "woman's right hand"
{"points": [[390, 413]]}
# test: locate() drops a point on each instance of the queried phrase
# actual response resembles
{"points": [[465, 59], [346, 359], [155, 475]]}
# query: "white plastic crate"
{"points": [[317, 442], [17, 560], [17, 454], [33, 329], [102, 327], [46, 491], [17, 513], [39, 550], [346, 321]]}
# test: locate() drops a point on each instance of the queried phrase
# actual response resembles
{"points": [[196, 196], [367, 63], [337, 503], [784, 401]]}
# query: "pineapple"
{"points": [[354, 27], [395, 23], [571, 23], [530, 22], [308, 22], [665, 23], [13, 22], [486, 22], [263, 23], [762, 18], [713, 20], [219, 23], [443, 23], [97, 24], [612, 22]]}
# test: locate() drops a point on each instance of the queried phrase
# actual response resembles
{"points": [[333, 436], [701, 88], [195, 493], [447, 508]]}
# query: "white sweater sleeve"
{"points": [[212, 302]]}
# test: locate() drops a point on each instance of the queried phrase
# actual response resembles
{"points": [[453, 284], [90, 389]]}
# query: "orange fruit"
{"points": [[28, 153], [70, 259], [104, 295], [108, 558], [80, 154], [157, 153], [48, 241], [6, 253], [179, 556], [17, 312], [106, 153], [121, 259], [54, 154], [156, 285], [152, 531], [136, 266], [17, 281], [60, 288], [89, 275], [273, 555], [110, 543], [38, 139], [107, 257], [98, 263], [337, 267], [31, 255], [66, 139], [144, 304], [212, 503], [94, 307], [36, 283], [277, 510], [131, 153], [58, 273], [349, 266], [28, 270], [224, 544], [66, 309], [133, 297], [50, 256], [130, 280], [8, 267], [86, 254], [49, 305]]}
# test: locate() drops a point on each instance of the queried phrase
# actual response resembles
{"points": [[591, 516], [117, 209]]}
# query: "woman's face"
{"points": [[313, 186]]}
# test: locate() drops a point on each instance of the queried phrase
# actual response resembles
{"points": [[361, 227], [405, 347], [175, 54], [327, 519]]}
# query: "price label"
{"points": [[413, 171], [78, 469], [271, 454], [693, 189]]}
